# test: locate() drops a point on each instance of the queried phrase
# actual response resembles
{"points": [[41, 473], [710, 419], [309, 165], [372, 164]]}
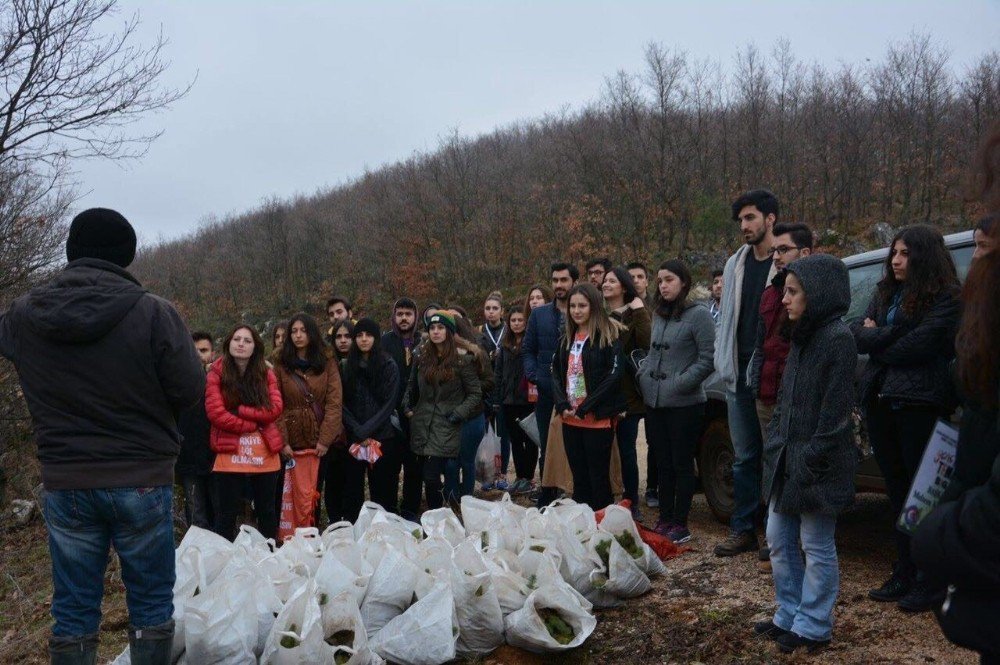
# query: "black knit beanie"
{"points": [[367, 325], [101, 233]]}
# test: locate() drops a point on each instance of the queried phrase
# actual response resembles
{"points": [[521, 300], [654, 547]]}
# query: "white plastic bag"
{"points": [[343, 570], [425, 634], [488, 457], [480, 620], [622, 578], [391, 590], [530, 427], [338, 532], [305, 547], [297, 634], [443, 522], [497, 523], [340, 615], [526, 628], [220, 623], [511, 587], [617, 521]]}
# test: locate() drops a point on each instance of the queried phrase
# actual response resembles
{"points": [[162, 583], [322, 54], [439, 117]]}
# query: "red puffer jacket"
{"points": [[772, 346], [227, 426]]}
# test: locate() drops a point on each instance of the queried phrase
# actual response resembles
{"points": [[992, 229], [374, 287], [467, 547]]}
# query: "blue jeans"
{"points": [[744, 428], [806, 593], [473, 431], [82, 524], [628, 432]]}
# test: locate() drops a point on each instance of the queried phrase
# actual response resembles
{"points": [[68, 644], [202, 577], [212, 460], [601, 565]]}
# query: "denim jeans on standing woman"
{"points": [[82, 525], [473, 431], [806, 591]]}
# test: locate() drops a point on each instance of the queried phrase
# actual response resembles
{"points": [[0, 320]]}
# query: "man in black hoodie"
{"points": [[400, 342], [105, 368]]}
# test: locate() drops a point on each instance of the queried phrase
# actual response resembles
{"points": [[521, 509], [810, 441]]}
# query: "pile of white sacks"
{"points": [[385, 588]]}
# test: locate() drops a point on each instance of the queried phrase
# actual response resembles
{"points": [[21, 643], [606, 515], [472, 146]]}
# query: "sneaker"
{"points": [[486, 487], [768, 629], [893, 589], [652, 501], [527, 487], [921, 598], [679, 534], [737, 543], [663, 528], [502, 485], [789, 642]]}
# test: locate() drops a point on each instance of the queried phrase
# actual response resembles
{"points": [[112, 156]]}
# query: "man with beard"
{"points": [[745, 276], [545, 326], [399, 342]]}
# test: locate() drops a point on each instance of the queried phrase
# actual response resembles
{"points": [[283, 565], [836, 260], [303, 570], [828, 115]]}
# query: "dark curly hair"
{"points": [[930, 270]]}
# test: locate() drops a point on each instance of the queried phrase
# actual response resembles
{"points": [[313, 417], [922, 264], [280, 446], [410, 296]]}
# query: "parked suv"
{"points": [[715, 449]]}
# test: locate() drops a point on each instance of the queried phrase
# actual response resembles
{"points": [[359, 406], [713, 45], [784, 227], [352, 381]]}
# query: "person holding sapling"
{"points": [[586, 385], [809, 454]]}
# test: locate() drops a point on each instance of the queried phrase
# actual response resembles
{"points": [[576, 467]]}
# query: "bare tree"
{"points": [[71, 90]]}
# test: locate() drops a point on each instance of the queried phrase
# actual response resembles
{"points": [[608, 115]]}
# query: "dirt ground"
{"points": [[700, 612]]}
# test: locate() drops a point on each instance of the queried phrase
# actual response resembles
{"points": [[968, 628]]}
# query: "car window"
{"points": [[963, 259], [863, 281]]}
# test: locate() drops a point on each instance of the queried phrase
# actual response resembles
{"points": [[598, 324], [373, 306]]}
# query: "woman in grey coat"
{"points": [[809, 454], [680, 359]]}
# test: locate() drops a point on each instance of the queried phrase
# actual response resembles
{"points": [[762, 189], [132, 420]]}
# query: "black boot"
{"points": [[922, 597], [153, 645], [894, 588], [73, 651]]}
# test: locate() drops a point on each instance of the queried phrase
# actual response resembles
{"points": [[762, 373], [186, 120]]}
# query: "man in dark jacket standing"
{"points": [[546, 325], [105, 368], [193, 469], [399, 343]]}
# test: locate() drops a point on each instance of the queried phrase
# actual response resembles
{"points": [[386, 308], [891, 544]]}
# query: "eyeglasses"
{"points": [[781, 250]]}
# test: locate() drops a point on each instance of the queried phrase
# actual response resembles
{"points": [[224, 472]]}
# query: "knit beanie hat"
{"points": [[101, 233], [369, 326], [445, 318]]}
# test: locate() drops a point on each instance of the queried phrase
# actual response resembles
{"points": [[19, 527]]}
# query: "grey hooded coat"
{"points": [[809, 453]]}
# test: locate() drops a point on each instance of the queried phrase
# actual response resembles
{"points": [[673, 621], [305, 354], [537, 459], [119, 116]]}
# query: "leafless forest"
{"points": [[645, 172]]}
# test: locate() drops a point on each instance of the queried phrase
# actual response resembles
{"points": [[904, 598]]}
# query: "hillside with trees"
{"points": [[644, 172]]}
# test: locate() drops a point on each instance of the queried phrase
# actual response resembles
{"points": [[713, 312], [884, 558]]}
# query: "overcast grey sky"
{"points": [[296, 96]]}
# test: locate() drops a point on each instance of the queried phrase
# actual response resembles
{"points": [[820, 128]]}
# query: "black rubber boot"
{"points": [[153, 645], [73, 650]]}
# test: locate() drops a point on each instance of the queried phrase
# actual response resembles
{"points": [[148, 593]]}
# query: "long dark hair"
{"points": [[929, 270], [602, 329], [352, 366], [315, 350], [280, 325], [510, 341], [546, 296], [250, 387], [675, 308], [334, 329], [628, 286], [438, 368]]}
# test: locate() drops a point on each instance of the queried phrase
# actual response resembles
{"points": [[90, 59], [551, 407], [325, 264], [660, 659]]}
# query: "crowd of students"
{"points": [[601, 355]]}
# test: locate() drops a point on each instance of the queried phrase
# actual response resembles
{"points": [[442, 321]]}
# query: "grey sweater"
{"points": [[679, 360], [809, 451]]}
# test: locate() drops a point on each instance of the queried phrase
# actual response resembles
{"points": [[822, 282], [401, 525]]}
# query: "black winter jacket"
{"points": [[602, 371], [392, 343], [809, 453], [369, 400], [508, 378], [105, 368], [909, 360]]}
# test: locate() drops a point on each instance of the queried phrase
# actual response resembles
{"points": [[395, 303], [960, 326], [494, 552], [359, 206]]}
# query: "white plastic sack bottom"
{"points": [[390, 590], [297, 635], [220, 623], [426, 634], [341, 613], [526, 629], [622, 578], [480, 620]]}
